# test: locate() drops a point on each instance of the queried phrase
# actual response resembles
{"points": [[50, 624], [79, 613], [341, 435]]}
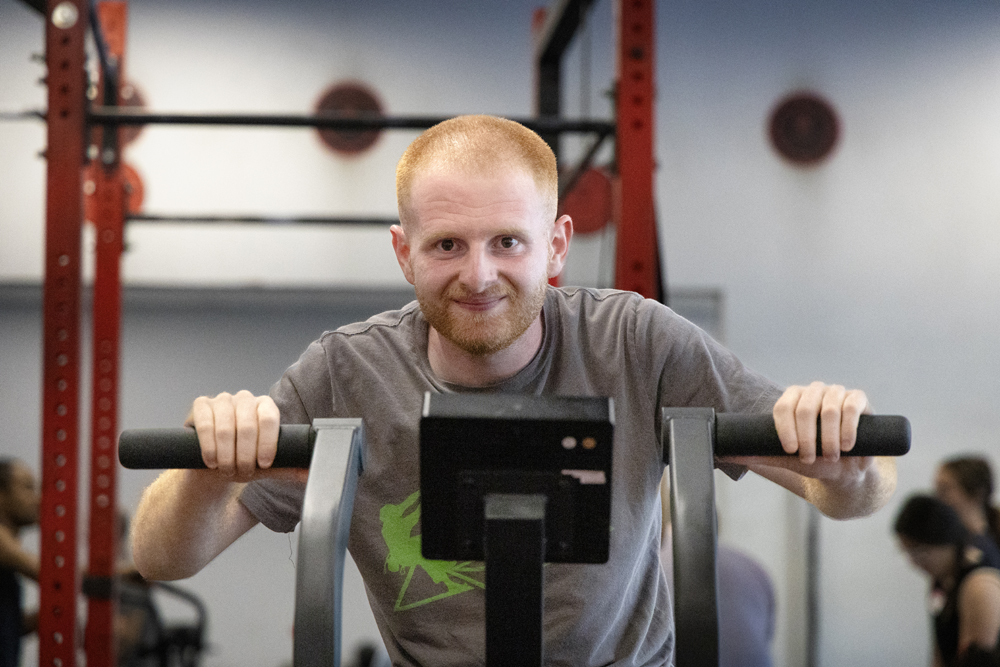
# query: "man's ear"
{"points": [[562, 233], [402, 249]]}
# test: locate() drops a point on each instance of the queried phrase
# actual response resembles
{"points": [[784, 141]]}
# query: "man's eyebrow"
{"points": [[512, 231], [434, 237]]}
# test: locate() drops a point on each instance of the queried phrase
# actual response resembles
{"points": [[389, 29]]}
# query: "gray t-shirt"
{"points": [[596, 343]]}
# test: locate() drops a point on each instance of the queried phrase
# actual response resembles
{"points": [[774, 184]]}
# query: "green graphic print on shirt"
{"points": [[398, 522]]}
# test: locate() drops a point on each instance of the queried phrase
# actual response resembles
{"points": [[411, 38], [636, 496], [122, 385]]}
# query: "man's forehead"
{"points": [[447, 193], [446, 174]]}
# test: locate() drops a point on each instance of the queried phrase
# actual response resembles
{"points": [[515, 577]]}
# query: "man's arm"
{"points": [[185, 519], [840, 487], [857, 486], [188, 517]]}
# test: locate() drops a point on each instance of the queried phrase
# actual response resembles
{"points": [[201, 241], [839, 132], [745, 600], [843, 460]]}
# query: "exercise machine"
{"points": [[492, 492]]}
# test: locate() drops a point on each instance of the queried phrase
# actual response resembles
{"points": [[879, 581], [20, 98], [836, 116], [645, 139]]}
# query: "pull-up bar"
{"points": [[117, 116]]}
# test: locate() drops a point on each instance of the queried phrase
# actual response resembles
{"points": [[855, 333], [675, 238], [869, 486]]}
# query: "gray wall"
{"points": [[878, 268]]}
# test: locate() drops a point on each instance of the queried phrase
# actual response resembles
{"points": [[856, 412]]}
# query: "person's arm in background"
{"points": [[14, 557], [840, 487], [188, 517], [979, 611], [936, 657], [29, 623]]}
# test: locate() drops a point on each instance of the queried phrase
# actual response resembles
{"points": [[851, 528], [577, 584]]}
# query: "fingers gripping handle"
{"points": [[159, 448], [755, 435]]}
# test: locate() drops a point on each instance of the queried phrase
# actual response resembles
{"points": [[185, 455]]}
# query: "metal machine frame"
{"points": [[512, 502]]}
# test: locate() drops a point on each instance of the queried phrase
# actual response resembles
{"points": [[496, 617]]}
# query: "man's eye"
{"points": [[447, 245], [508, 242]]}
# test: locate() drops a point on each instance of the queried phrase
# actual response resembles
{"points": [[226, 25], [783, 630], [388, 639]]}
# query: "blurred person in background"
{"points": [[747, 607], [966, 483], [964, 598], [20, 503]]}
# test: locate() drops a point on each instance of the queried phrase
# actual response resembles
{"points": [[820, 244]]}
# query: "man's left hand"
{"points": [[834, 409]]}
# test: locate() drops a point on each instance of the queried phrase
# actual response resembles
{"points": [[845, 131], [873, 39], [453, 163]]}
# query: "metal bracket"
{"points": [[515, 555], [688, 450], [326, 522]]}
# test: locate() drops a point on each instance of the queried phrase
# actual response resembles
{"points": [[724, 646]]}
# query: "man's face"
{"points": [[479, 252], [21, 502]]}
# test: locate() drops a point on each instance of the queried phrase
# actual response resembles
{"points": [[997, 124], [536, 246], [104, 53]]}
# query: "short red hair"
{"points": [[479, 144]]}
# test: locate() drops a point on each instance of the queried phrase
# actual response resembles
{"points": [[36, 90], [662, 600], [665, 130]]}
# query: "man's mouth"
{"points": [[479, 304]]}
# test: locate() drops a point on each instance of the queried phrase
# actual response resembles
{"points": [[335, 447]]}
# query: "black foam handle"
{"points": [[158, 448], [755, 435]]}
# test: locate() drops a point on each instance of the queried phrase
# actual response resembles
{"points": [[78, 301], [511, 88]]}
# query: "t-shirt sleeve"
{"points": [[278, 503], [275, 503], [697, 371]]}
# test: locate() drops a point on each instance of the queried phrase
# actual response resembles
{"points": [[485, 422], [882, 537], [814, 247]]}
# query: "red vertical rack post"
{"points": [[545, 98], [109, 222], [64, 54], [637, 255]]}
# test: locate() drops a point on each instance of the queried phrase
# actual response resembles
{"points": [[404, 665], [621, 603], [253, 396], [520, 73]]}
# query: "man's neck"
{"points": [[453, 364]]}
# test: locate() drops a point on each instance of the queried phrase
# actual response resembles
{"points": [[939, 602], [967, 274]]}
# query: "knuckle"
{"points": [[246, 430], [224, 432]]}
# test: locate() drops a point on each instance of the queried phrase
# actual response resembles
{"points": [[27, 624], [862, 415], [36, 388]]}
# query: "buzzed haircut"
{"points": [[485, 145]]}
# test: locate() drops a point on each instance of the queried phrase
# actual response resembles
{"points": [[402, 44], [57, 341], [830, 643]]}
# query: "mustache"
{"points": [[460, 293]]}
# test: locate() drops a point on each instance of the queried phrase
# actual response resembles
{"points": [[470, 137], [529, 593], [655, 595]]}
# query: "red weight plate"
{"points": [[351, 99], [589, 202]]}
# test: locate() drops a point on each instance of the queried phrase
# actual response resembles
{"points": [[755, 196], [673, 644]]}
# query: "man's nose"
{"points": [[478, 271]]}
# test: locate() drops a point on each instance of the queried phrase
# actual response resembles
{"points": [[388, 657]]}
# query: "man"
{"points": [[479, 240], [19, 507]]}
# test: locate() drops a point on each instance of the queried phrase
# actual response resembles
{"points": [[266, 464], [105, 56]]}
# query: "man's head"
{"points": [[479, 240], [19, 497]]}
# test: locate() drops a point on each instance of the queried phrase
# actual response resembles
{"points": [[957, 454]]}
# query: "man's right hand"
{"points": [[238, 433]]}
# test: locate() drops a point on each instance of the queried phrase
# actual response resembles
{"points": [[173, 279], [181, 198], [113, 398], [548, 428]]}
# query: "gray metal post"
{"points": [[325, 528], [689, 448]]}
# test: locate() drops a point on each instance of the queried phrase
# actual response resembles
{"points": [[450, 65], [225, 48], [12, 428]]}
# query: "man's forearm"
{"points": [[858, 497], [845, 496], [185, 519]]}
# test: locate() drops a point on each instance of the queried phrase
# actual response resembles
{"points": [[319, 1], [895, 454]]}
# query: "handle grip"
{"points": [[755, 435], [158, 448], [735, 435]]}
